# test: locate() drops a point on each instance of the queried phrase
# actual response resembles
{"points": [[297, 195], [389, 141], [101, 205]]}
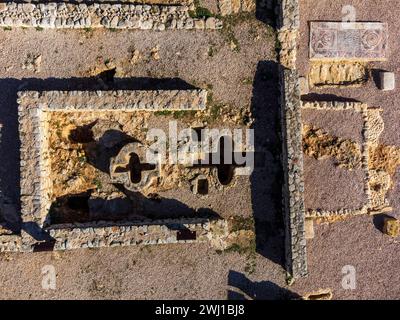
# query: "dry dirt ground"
{"points": [[359, 241], [239, 69]]}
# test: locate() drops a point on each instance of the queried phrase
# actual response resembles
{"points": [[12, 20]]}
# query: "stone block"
{"points": [[391, 227], [309, 229], [334, 74], [225, 7], [321, 294], [304, 86], [387, 81]]}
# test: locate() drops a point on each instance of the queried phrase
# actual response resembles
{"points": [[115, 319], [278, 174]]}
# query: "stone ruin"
{"points": [[338, 54], [52, 218], [51, 212], [91, 209]]}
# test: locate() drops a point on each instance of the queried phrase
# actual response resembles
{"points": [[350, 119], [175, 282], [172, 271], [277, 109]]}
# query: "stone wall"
{"points": [[146, 232], [228, 7], [10, 243], [129, 100], [103, 15], [292, 151]]}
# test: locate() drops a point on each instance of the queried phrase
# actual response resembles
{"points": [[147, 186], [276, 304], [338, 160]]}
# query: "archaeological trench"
{"points": [[84, 181]]}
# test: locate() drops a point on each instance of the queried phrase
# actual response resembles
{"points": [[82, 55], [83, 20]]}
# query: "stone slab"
{"points": [[366, 41], [387, 81]]}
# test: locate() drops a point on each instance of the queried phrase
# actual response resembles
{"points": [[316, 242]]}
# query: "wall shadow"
{"points": [[313, 97], [242, 288], [266, 179], [265, 12]]}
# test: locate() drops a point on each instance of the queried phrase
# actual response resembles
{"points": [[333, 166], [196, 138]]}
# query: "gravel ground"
{"points": [[328, 186], [359, 241], [158, 272]]}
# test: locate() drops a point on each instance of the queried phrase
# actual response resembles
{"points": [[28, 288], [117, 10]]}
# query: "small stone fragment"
{"points": [[136, 56], [33, 63], [391, 227], [321, 294], [210, 23], [155, 53]]}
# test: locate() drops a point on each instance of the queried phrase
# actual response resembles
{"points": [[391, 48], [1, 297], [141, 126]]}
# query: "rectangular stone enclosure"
{"points": [[348, 41], [37, 184]]}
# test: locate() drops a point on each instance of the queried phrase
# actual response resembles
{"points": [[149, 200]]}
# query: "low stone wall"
{"points": [[288, 33], [145, 233], [129, 100], [373, 126], [228, 7], [292, 151], [10, 243], [104, 15]]}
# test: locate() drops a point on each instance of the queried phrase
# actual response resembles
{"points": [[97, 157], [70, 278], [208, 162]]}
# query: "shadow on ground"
{"points": [[266, 180], [242, 288]]}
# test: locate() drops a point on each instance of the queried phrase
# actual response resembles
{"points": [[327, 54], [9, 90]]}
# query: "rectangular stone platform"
{"points": [[366, 41]]}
